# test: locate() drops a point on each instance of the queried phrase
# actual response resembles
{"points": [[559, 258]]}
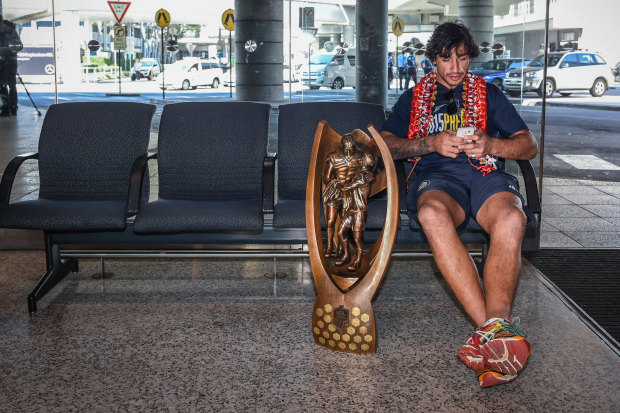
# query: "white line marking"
{"points": [[588, 162]]}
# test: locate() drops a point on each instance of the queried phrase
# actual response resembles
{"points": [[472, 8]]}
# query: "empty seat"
{"points": [[210, 165], [85, 157], [297, 123]]}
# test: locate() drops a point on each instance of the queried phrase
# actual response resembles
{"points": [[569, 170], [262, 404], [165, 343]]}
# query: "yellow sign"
{"points": [[398, 26], [162, 18], [228, 20]]}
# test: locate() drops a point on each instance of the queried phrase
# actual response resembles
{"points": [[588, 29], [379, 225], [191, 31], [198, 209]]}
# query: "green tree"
{"points": [[186, 30]]}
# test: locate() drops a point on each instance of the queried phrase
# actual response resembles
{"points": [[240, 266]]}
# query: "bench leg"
{"points": [[56, 270]]}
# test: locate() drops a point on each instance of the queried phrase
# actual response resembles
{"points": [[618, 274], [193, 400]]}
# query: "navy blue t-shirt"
{"points": [[503, 120]]}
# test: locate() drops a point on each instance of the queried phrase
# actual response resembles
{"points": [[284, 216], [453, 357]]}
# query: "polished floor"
{"points": [[217, 335]]}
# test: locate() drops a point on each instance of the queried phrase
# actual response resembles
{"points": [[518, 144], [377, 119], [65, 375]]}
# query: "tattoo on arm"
{"points": [[401, 148]]}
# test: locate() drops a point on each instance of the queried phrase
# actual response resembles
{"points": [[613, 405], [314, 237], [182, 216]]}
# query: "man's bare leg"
{"points": [[503, 219], [440, 215]]}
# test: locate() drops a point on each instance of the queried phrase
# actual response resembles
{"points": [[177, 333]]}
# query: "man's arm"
{"points": [[445, 143], [518, 146]]}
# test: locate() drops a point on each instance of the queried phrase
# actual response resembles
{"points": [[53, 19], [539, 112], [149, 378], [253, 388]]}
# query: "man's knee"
{"points": [[510, 218], [432, 211]]}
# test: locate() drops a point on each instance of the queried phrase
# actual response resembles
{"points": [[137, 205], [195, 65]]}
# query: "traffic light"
{"points": [[306, 17]]}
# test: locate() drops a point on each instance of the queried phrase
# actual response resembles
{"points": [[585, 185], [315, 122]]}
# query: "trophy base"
{"points": [[344, 325]]}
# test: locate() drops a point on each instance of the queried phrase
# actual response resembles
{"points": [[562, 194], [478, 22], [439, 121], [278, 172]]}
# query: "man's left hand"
{"points": [[477, 145]]}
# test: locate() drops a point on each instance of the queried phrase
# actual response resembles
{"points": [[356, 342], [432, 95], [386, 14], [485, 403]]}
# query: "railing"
{"points": [[98, 73]]}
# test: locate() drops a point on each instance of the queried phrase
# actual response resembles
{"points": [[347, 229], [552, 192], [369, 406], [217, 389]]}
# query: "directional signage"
{"points": [[120, 41], [398, 27], [119, 8], [162, 18], [228, 20]]}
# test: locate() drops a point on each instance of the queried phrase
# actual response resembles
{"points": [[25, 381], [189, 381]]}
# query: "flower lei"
{"points": [[474, 112]]}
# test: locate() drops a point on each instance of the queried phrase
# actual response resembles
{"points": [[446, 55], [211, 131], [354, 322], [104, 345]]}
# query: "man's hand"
{"points": [[446, 143], [520, 145], [477, 145]]}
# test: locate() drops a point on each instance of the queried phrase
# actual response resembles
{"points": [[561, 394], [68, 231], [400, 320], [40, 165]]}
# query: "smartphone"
{"points": [[464, 131]]}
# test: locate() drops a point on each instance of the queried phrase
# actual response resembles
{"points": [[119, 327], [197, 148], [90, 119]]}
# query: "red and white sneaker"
{"points": [[470, 352], [488, 377], [498, 345]]}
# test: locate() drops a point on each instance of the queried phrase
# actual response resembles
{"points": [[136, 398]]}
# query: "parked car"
{"points": [[335, 70], [191, 73], [494, 71], [566, 72], [149, 69]]}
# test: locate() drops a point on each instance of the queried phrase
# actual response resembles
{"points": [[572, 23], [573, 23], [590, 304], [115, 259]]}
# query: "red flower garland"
{"points": [[474, 112]]}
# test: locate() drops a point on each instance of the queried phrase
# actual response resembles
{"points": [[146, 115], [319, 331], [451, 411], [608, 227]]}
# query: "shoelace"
{"points": [[504, 324]]}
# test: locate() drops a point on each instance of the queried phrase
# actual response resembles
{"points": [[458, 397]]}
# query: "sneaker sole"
{"points": [[494, 378], [507, 355]]}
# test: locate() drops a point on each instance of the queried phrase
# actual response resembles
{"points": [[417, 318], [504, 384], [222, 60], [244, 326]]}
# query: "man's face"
{"points": [[451, 71], [348, 147]]}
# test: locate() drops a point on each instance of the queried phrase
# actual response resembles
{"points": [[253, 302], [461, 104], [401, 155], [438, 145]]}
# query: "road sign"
{"points": [[120, 41], [172, 46], [16, 45], [162, 18], [93, 45], [498, 49], [119, 8], [398, 27], [228, 20]]}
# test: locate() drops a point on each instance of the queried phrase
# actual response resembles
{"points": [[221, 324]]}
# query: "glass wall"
{"points": [[75, 50]]}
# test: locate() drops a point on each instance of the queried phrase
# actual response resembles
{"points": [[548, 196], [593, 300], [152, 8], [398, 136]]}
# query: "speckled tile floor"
{"points": [[216, 335]]}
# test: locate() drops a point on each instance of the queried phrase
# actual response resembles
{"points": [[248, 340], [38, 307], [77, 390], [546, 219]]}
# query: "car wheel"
{"points": [[185, 85], [216, 83], [498, 82], [338, 83], [598, 88], [566, 93], [514, 93], [549, 86]]}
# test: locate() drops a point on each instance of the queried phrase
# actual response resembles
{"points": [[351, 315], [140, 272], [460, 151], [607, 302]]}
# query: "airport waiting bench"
{"points": [[218, 192]]}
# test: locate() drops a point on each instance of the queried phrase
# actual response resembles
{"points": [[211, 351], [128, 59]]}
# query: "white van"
{"points": [[334, 70], [192, 72]]}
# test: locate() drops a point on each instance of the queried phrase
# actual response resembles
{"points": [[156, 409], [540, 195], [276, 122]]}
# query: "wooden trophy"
{"points": [[338, 176]]}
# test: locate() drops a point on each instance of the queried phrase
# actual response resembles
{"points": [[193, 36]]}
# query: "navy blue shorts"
{"points": [[465, 184]]}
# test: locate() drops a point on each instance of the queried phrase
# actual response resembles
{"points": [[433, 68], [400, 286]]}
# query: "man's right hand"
{"points": [[445, 143]]}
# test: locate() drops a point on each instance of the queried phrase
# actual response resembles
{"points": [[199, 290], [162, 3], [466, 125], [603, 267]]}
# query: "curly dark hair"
{"points": [[448, 36]]}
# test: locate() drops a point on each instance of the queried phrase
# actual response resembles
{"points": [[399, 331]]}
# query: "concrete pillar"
{"points": [[348, 35], [371, 44], [478, 16], [259, 73]]}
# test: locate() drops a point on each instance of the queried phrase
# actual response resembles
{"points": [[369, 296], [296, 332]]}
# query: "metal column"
{"points": [[371, 45], [259, 72]]}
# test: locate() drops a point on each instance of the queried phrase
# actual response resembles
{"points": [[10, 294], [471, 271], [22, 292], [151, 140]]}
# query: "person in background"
{"points": [[402, 68], [427, 65], [412, 72], [390, 69], [137, 73], [8, 68]]}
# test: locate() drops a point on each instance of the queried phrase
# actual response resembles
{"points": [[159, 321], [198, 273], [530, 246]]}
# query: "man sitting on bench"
{"points": [[459, 177]]}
